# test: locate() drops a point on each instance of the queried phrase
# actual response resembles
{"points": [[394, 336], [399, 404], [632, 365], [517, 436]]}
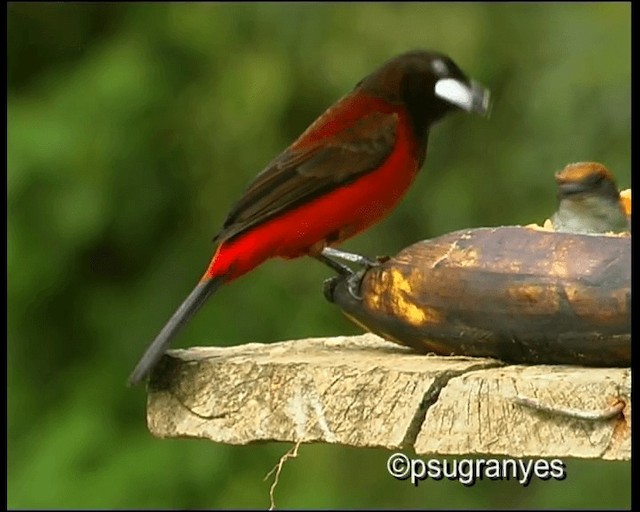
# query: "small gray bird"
{"points": [[589, 200]]}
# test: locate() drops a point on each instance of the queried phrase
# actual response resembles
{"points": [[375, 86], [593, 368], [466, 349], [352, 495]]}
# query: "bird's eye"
{"points": [[439, 67], [595, 179]]}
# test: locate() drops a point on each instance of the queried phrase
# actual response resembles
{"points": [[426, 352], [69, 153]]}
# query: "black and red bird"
{"points": [[588, 200], [347, 171]]}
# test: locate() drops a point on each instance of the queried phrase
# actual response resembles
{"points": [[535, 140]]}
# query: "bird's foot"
{"points": [[359, 259], [340, 268], [353, 283], [352, 279]]}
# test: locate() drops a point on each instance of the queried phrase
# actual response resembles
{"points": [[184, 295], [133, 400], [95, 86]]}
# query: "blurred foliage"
{"points": [[132, 128]]}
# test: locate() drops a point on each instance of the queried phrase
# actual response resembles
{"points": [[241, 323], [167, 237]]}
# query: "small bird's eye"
{"points": [[595, 179], [439, 67]]}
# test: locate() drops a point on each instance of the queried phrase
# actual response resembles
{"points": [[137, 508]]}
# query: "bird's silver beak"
{"points": [[472, 97]]}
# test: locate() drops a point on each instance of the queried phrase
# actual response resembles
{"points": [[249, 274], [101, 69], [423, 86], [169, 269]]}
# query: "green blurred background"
{"points": [[131, 130]]}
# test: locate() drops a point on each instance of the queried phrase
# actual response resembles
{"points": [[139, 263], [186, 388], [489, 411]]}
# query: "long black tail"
{"points": [[187, 309]]}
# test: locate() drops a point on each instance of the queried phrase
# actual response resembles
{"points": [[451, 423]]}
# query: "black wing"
{"points": [[298, 175]]}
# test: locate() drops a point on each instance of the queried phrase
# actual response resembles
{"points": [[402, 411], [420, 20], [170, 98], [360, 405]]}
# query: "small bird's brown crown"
{"points": [[583, 171]]}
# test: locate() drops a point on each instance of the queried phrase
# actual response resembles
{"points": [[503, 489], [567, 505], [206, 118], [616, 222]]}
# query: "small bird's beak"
{"points": [[571, 187], [472, 97]]}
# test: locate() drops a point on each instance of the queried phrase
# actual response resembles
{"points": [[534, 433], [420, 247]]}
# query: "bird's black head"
{"points": [[429, 85]]}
